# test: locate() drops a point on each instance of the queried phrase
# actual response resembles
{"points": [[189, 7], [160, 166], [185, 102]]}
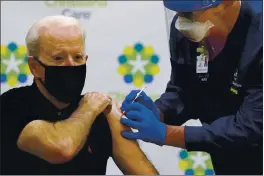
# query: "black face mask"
{"points": [[64, 82]]}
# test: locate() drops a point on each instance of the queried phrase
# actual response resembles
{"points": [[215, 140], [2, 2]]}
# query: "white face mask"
{"points": [[195, 31]]}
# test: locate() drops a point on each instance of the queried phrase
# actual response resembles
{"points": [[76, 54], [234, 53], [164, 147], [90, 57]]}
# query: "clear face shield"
{"points": [[169, 15], [195, 31]]}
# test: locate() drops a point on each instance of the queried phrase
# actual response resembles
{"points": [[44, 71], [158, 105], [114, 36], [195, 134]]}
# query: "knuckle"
{"points": [[87, 94], [101, 94]]}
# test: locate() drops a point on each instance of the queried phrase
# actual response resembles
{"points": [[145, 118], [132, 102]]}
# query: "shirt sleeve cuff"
{"points": [[194, 138], [160, 105]]}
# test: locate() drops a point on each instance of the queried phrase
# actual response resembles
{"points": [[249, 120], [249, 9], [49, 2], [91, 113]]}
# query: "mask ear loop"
{"points": [[41, 63]]}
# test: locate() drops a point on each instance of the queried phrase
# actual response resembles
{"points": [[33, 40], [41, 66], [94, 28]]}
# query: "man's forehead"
{"points": [[55, 46], [62, 40], [65, 48], [61, 33], [61, 36]]}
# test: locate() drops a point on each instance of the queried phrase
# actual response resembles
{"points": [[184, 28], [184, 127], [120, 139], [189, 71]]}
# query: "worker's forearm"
{"points": [[175, 136], [56, 142], [127, 153]]}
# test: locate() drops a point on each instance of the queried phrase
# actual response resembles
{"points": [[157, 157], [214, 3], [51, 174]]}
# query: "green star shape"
{"points": [[12, 78]]}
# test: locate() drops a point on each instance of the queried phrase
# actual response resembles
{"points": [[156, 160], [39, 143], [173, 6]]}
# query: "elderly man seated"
{"points": [[49, 127]]}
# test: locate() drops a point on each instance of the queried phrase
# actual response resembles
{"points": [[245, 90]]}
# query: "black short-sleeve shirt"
{"points": [[19, 106]]}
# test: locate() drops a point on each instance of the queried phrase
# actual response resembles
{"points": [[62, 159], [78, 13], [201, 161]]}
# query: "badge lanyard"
{"points": [[202, 63]]}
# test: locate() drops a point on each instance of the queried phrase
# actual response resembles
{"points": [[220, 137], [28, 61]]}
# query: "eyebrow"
{"points": [[54, 53]]}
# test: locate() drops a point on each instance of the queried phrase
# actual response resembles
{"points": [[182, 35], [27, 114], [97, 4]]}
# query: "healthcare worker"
{"points": [[216, 76]]}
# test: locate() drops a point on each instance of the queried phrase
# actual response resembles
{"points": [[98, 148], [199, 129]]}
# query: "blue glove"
{"points": [[142, 99], [150, 129]]}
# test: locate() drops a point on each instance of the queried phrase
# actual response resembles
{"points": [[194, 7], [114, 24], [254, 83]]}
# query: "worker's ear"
{"points": [[221, 8], [217, 11]]}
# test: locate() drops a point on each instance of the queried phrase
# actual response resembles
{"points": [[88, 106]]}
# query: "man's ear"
{"points": [[34, 67], [86, 57]]}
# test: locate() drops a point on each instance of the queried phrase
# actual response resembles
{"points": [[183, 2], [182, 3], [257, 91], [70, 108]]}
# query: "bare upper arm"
{"points": [[127, 154]]}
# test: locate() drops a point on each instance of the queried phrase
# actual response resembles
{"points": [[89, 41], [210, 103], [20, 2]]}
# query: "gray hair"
{"points": [[34, 31]]}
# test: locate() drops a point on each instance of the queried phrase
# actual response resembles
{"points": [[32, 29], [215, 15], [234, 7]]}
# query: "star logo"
{"points": [[14, 66], [199, 160], [138, 64], [196, 163]]}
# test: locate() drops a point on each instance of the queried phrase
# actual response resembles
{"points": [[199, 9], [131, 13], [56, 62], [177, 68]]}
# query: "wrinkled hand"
{"points": [[94, 102], [142, 99], [113, 115], [113, 112], [150, 129]]}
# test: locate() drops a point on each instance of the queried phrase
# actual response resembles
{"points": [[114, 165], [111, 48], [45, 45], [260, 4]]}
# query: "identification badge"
{"points": [[202, 63], [236, 86]]}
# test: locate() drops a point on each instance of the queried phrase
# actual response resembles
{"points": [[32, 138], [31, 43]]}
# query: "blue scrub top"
{"points": [[229, 103], [256, 5]]}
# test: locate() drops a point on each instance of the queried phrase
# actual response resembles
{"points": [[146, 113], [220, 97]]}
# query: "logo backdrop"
{"points": [[127, 46]]}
